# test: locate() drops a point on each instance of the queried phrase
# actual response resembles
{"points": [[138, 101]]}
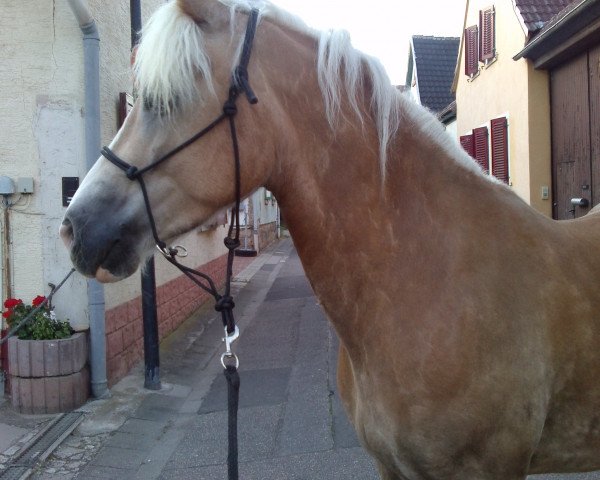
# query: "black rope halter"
{"points": [[224, 303], [239, 84]]}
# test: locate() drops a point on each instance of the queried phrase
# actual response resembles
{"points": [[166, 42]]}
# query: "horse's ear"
{"points": [[205, 11]]}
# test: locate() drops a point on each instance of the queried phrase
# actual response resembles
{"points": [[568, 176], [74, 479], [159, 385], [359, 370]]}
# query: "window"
{"points": [[477, 145], [480, 42], [481, 148], [471, 51], [487, 37], [467, 143], [499, 129]]}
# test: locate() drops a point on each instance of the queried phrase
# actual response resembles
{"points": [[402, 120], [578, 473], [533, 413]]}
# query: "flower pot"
{"points": [[48, 376]]}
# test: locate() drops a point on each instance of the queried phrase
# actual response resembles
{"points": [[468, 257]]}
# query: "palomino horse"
{"points": [[469, 323]]}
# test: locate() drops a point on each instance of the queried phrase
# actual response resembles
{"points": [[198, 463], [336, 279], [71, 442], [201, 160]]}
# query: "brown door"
{"points": [[594, 67], [571, 148]]}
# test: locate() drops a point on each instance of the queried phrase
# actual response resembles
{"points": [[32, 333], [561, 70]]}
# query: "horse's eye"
{"points": [[155, 107], [159, 107]]}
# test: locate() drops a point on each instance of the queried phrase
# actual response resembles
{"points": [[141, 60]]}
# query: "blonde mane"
{"points": [[171, 57]]}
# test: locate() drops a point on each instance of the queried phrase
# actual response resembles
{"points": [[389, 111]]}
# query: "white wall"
{"points": [[42, 120], [40, 110]]}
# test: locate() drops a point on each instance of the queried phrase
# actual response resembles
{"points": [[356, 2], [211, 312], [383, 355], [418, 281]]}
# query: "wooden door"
{"points": [[594, 76], [571, 149]]}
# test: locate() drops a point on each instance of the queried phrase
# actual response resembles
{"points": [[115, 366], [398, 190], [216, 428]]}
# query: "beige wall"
{"points": [[512, 89], [42, 120], [540, 146]]}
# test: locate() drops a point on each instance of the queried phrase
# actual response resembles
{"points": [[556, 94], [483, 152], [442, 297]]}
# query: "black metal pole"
{"points": [[136, 21], [150, 317], [151, 351]]}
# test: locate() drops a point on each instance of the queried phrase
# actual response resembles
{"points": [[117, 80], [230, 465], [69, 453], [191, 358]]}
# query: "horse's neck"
{"points": [[346, 221]]}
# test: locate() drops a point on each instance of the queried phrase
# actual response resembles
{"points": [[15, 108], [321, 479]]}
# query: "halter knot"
{"points": [[132, 172], [225, 303], [230, 108], [231, 243]]}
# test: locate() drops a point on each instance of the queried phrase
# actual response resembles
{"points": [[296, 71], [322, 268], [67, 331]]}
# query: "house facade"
{"points": [[503, 104], [568, 48], [43, 116]]}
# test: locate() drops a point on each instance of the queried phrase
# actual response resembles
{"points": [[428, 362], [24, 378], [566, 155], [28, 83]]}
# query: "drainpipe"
{"points": [[96, 303]]}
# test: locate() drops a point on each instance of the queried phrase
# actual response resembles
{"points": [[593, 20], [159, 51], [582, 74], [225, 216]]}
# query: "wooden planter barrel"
{"points": [[48, 376]]}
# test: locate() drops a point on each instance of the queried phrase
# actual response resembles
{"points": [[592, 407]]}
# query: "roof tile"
{"points": [[536, 13], [435, 59]]}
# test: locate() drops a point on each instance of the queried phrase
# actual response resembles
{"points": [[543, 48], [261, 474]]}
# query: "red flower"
{"points": [[12, 302], [6, 314], [37, 300]]}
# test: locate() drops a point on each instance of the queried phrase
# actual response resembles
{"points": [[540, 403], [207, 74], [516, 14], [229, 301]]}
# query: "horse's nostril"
{"points": [[66, 232]]}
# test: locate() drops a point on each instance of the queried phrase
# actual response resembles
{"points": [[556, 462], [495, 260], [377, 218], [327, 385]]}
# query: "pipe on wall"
{"points": [[96, 302]]}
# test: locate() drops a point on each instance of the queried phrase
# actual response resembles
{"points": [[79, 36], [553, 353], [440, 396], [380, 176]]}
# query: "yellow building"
{"points": [[503, 104]]}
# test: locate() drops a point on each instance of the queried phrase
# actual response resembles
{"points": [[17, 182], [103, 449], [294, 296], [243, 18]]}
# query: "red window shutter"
{"points": [[480, 140], [499, 128], [487, 40], [467, 143], [471, 51]]}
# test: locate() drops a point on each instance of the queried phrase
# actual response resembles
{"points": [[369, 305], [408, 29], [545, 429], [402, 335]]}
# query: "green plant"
{"points": [[42, 325]]}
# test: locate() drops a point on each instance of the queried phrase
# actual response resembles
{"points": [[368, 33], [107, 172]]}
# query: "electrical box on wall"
{"points": [[25, 185], [6, 186], [69, 187]]}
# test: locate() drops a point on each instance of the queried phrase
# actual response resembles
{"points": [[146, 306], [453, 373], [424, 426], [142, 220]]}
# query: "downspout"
{"points": [[96, 303]]}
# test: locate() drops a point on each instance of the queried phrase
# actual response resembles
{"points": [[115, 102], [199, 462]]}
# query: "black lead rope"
{"points": [[223, 303], [233, 394]]}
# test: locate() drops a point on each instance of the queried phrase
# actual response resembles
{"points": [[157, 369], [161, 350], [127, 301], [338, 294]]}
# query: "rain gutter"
{"points": [[96, 302]]}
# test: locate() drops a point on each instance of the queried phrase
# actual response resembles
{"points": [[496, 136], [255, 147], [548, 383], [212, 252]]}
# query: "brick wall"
{"points": [[176, 301]]}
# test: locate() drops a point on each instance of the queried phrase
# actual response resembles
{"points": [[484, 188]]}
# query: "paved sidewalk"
{"points": [[291, 424]]}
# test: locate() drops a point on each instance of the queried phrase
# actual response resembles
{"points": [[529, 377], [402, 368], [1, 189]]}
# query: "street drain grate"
{"points": [[41, 446]]}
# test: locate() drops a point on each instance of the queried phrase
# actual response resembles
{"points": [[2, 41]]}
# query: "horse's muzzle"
{"points": [[105, 250]]}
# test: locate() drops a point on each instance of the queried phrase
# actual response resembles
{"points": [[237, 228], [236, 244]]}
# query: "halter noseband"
{"points": [[239, 84]]}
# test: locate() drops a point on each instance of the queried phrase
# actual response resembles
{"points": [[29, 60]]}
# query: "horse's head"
{"points": [[183, 68], [183, 71]]}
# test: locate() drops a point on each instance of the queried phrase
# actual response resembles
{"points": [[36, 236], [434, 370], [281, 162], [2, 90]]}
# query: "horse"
{"points": [[469, 323]]}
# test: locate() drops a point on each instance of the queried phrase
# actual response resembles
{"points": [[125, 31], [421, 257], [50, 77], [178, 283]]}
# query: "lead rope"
{"points": [[223, 303]]}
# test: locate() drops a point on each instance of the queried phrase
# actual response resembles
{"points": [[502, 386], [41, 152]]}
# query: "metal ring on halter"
{"points": [[175, 251], [230, 356], [180, 250]]}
